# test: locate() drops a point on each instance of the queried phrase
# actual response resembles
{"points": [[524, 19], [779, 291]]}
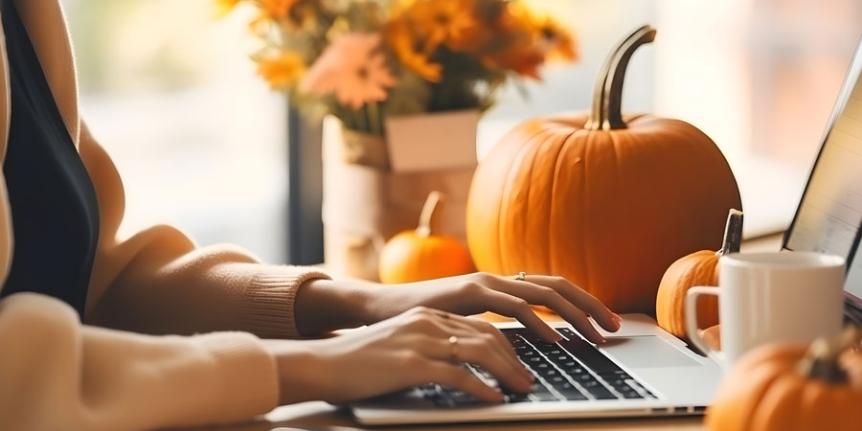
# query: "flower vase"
{"points": [[368, 197]]}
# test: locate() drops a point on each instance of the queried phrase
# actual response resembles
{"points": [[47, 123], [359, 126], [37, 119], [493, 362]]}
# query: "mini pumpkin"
{"points": [[697, 269], [423, 254], [786, 388], [607, 201]]}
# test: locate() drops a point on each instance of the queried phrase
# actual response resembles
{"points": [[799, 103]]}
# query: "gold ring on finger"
{"points": [[453, 349]]}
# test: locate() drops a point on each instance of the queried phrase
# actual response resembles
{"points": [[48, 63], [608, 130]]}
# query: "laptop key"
{"points": [[589, 384], [460, 398], [534, 359], [517, 398], [567, 389], [541, 393], [545, 396], [631, 394], [616, 375], [556, 380], [547, 371], [617, 383], [571, 393], [601, 393], [585, 377]]}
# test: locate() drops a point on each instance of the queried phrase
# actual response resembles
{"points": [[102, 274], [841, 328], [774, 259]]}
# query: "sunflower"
{"points": [[281, 71], [409, 51]]}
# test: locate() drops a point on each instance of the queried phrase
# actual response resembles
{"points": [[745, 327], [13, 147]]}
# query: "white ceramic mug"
{"points": [[771, 297]]}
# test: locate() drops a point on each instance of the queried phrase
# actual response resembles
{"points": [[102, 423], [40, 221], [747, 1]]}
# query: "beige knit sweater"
{"points": [[59, 374]]}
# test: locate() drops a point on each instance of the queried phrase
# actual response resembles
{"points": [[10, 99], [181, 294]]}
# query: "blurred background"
{"points": [[202, 142]]}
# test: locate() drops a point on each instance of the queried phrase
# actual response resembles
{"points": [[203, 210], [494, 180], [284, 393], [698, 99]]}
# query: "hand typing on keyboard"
{"points": [[571, 370], [416, 333], [410, 349]]}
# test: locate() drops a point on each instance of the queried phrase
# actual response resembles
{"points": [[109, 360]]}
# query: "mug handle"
{"points": [[691, 318]]}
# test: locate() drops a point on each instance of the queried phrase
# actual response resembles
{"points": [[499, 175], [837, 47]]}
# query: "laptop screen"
{"points": [[829, 215]]}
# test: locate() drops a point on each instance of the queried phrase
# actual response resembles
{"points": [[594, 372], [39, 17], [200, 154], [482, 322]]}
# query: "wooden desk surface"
{"points": [[319, 416]]}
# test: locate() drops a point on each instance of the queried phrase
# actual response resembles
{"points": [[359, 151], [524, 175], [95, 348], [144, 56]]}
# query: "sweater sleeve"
{"points": [[159, 282], [62, 375]]}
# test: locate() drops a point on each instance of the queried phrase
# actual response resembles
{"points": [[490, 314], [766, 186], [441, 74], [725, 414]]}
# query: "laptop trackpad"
{"points": [[647, 351]]}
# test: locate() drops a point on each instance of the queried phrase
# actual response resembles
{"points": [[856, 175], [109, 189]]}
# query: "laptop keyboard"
{"points": [[570, 370]]}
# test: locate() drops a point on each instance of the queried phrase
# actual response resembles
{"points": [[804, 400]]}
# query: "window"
{"points": [[758, 76], [199, 140]]}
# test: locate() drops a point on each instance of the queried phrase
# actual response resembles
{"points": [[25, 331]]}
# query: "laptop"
{"points": [[643, 370]]}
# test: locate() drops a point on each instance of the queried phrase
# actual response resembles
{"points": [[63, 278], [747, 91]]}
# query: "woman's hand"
{"points": [[329, 304], [410, 349], [480, 292]]}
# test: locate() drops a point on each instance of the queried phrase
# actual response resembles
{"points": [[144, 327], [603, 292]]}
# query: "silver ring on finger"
{"points": [[522, 276]]}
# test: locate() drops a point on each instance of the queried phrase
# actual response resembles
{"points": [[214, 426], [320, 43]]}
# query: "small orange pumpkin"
{"points": [[421, 254], [697, 269], [785, 388], [607, 201]]}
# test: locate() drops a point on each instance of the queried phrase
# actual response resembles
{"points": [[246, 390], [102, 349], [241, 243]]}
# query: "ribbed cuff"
{"points": [[248, 375], [270, 299]]}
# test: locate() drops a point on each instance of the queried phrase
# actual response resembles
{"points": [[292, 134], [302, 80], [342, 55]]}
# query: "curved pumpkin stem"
{"points": [[821, 361], [606, 111], [429, 212], [732, 233]]}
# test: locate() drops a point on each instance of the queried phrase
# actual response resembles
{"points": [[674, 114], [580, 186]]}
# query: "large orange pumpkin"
{"points": [[606, 201], [424, 253], [783, 388], [697, 269]]}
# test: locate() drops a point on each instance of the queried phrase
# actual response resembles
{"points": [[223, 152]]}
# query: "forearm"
{"points": [[157, 282], [93, 378], [323, 306]]}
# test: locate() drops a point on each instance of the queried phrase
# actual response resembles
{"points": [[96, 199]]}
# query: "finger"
{"points": [[497, 343], [503, 345], [580, 298], [508, 305], [428, 322], [476, 350], [542, 295], [458, 377]]}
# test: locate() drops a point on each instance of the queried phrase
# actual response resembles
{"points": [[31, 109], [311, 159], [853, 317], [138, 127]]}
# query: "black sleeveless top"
{"points": [[55, 214]]}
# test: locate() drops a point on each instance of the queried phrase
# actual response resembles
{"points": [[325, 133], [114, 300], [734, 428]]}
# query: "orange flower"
{"points": [[554, 40], [440, 22], [281, 71], [409, 51], [522, 59], [224, 7], [353, 68], [276, 9], [516, 46]]}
